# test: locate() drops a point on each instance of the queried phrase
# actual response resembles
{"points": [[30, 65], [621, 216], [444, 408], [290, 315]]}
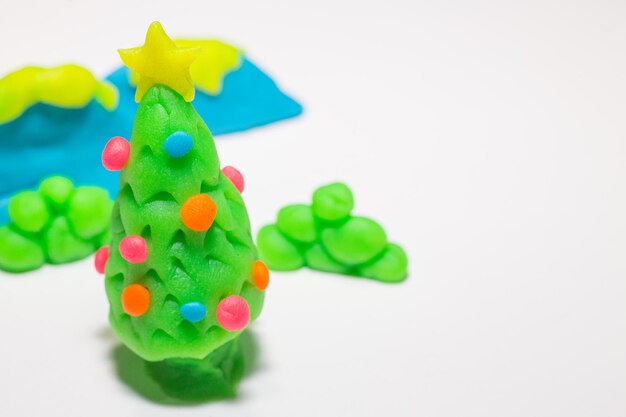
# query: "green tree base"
{"points": [[189, 381]]}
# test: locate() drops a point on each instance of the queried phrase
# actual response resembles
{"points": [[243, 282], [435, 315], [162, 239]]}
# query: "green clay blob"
{"points": [[277, 251], [19, 252], [89, 211], [192, 223], [333, 202], [317, 258], [63, 246], [390, 267], [326, 237], [56, 191], [297, 222], [56, 224], [28, 211], [354, 242]]}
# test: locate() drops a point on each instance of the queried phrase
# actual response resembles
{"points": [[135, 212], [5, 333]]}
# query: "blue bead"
{"points": [[178, 144], [193, 312]]}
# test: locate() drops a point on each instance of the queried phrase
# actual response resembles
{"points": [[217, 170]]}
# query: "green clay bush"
{"points": [[56, 224], [326, 236]]}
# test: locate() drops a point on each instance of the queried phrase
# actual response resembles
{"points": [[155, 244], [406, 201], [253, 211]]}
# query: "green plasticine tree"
{"points": [[183, 265], [182, 279], [326, 237]]}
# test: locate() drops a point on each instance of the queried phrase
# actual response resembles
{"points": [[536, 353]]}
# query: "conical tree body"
{"points": [[184, 267]]}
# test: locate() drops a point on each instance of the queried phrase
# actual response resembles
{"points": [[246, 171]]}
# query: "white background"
{"points": [[486, 136]]}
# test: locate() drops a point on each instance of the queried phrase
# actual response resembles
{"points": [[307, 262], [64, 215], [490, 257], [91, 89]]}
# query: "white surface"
{"points": [[487, 137]]}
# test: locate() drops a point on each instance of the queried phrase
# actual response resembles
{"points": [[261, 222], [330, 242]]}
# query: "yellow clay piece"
{"points": [[215, 60], [160, 61], [69, 86]]}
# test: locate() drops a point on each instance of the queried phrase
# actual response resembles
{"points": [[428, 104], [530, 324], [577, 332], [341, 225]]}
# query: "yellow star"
{"points": [[160, 61]]}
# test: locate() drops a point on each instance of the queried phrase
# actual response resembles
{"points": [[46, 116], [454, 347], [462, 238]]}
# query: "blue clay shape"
{"points": [[193, 312], [178, 144], [48, 140]]}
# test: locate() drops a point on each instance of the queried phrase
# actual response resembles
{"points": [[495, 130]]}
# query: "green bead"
{"points": [[390, 267], [28, 211], [89, 211], [56, 190], [297, 222], [19, 253], [63, 246], [317, 258], [277, 251], [333, 202], [354, 242]]}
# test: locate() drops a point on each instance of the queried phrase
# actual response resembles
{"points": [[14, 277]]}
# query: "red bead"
{"points": [[102, 256], [134, 249], [233, 313], [234, 176], [115, 154]]}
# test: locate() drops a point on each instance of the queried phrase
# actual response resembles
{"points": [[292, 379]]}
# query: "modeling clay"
{"points": [[69, 86], [325, 236], [248, 98], [46, 140], [55, 224], [116, 153], [180, 277], [101, 258], [234, 176], [215, 59]]}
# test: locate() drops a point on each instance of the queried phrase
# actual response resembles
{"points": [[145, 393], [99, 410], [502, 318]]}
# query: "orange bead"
{"points": [[261, 275], [199, 212], [135, 300]]}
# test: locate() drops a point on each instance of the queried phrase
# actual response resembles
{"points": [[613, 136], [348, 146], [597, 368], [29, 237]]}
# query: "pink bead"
{"points": [[134, 249], [102, 256], [234, 176], [115, 154], [233, 313]]}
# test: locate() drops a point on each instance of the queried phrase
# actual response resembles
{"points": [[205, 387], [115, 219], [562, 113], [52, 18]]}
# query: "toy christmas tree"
{"points": [[182, 277]]}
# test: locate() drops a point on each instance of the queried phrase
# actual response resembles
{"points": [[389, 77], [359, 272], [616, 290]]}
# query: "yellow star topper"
{"points": [[160, 61]]}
